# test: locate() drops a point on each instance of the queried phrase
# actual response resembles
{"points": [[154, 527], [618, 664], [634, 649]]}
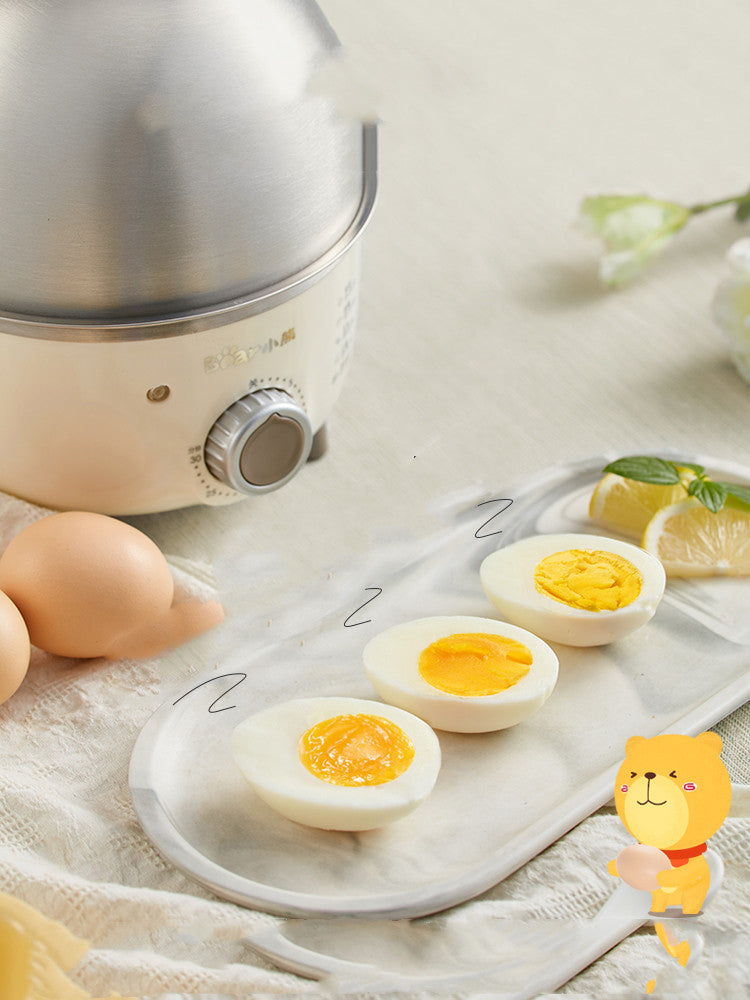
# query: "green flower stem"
{"points": [[706, 206]]}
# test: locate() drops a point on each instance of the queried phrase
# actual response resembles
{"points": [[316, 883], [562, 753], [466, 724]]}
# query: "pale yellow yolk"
{"points": [[588, 579], [356, 750], [473, 664]]}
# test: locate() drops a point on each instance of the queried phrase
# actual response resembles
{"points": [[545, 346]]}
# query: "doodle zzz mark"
{"points": [[480, 532], [348, 623], [212, 707]]}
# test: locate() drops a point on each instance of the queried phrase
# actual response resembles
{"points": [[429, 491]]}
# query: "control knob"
{"points": [[259, 442]]}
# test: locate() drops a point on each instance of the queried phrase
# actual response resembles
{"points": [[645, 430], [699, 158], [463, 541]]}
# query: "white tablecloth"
{"points": [[487, 350]]}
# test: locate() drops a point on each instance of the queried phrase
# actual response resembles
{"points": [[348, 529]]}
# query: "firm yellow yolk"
{"points": [[356, 750], [473, 664], [588, 579]]}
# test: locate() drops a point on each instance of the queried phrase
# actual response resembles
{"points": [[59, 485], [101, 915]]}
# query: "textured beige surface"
{"points": [[487, 348], [486, 351]]}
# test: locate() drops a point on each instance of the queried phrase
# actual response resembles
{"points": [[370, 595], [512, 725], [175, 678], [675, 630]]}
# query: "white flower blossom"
{"points": [[731, 306], [633, 228]]}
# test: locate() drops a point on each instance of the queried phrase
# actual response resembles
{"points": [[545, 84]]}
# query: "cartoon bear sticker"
{"points": [[672, 793]]}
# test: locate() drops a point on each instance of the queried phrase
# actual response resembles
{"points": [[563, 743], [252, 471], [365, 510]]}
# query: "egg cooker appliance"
{"points": [[180, 216]]}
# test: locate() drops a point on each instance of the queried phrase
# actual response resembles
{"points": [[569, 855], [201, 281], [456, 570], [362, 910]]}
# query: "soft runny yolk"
{"points": [[588, 579], [474, 664], [356, 750]]}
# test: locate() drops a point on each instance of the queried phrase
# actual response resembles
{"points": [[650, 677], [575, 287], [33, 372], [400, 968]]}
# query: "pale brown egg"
{"points": [[82, 582], [15, 648]]}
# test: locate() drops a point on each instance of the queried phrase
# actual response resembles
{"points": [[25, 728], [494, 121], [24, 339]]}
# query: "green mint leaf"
{"points": [[711, 495], [645, 469], [742, 212], [741, 493], [697, 469]]}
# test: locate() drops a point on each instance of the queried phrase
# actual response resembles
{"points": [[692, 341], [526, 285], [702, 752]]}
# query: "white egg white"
{"points": [[391, 661], [507, 576], [265, 748]]}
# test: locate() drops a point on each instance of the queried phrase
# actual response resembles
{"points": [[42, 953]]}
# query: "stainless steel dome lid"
{"points": [[158, 157]]}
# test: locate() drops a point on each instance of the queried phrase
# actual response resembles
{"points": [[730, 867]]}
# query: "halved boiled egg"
{"points": [[338, 763], [576, 589], [463, 674]]}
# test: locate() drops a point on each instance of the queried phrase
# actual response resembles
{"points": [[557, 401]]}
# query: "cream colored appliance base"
{"points": [[120, 426]]}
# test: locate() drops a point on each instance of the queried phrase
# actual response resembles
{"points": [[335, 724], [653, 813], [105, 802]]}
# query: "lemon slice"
{"points": [[626, 506], [691, 540]]}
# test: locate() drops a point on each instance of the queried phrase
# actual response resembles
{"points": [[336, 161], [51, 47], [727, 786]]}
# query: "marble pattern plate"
{"points": [[500, 798]]}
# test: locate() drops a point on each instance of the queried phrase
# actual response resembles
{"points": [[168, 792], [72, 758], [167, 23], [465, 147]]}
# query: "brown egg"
{"points": [[15, 648], [84, 581]]}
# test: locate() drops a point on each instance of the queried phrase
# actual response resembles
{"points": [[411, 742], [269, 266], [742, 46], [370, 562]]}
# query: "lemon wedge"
{"points": [[35, 954], [691, 540], [625, 506]]}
